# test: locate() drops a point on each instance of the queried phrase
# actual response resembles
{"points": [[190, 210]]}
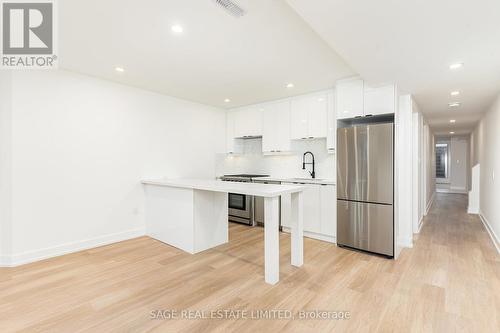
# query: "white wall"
{"points": [[81, 146], [486, 138], [403, 160], [418, 201], [5, 166], [286, 166]]}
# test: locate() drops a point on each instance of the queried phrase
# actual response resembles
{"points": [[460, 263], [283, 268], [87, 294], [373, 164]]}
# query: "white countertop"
{"points": [[261, 190], [324, 181]]}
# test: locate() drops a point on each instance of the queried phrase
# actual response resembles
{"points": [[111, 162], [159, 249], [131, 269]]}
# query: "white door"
{"points": [[458, 165]]}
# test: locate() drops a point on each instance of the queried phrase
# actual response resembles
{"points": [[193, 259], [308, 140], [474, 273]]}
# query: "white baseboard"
{"points": [[494, 238], [321, 237], [49, 252], [429, 204], [472, 210], [405, 242], [5, 261], [420, 224]]}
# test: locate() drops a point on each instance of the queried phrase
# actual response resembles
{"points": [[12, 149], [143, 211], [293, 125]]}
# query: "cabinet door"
{"points": [[230, 118], [328, 196], [299, 115], [269, 136], [349, 98], [253, 118], [248, 122], [276, 127], [311, 207], [312, 204], [380, 100], [331, 135], [317, 115], [281, 124]]}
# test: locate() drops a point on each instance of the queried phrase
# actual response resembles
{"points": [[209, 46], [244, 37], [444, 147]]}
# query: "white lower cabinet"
{"points": [[328, 197], [319, 209], [312, 208]]}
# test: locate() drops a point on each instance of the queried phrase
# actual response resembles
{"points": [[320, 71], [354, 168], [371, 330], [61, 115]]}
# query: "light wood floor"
{"points": [[449, 281]]}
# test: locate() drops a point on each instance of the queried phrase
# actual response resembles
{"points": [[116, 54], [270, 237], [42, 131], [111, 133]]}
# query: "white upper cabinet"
{"points": [[380, 100], [355, 99], [309, 116], [349, 98], [276, 127], [247, 122], [298, 113], [317, 121], [331, 135]]}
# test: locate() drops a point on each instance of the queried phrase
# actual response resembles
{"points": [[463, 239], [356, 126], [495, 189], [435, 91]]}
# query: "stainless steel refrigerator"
{"points": [[365, 187]]}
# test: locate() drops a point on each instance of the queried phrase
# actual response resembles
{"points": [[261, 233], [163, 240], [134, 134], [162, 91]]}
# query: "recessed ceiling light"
{"points": [[453, 121], [454, 104], [456, 65], [455, 93], [227, 100], [119, 69], [452, 132], [290, 85], [321, 99], [177, 28]]}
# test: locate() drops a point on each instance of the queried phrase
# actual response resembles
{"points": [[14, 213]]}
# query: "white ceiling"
{"points": [[412, 43], [248, 59]]}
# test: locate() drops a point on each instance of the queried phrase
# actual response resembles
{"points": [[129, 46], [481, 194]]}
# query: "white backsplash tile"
{"points": [[284, 166]]}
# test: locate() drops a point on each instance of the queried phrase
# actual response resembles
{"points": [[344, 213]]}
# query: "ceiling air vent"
{"points": [[231, 7]]}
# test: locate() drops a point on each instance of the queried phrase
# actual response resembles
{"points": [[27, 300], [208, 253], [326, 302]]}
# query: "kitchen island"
{"points": [[192, 215]]}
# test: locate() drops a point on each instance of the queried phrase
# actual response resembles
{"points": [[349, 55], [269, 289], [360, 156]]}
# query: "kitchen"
{"points": [[364, 128], [301, 149]]}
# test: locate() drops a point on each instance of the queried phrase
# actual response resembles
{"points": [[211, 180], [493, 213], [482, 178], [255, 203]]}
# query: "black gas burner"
{"points": [[241, 177]]}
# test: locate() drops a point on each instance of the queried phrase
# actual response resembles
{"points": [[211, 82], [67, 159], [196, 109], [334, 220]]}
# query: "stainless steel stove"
{"points": [[241, 205]]}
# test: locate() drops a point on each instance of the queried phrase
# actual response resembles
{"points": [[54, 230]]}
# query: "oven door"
{"points": [[240, 208]]}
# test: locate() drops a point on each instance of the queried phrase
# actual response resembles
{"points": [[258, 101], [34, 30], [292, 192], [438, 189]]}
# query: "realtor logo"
{"points": [[28, 34]]}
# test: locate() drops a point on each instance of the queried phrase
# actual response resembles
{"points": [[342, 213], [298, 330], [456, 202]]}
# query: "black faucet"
{"points": [[313, 174]]}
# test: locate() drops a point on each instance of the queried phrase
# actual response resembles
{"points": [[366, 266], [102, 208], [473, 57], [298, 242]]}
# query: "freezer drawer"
{"points": [[366, 226]]}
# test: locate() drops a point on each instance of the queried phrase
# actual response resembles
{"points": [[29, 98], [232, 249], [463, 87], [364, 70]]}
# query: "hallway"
{"points": [[457, 266]]}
